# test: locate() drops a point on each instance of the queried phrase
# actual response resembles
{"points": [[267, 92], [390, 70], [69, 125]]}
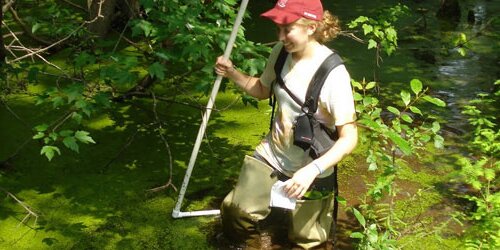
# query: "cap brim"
{"points": [[280, 17]]}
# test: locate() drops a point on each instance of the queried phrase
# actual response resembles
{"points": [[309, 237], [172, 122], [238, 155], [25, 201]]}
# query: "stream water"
{"points": [[425, 52]]}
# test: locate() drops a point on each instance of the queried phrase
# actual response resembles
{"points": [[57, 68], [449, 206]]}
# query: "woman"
{"points": [[303, 28]]}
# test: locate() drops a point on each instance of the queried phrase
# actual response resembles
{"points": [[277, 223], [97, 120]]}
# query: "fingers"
{"points": [[294, 189], [223, 66]]}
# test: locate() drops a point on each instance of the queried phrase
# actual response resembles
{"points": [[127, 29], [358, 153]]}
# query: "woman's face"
{"points": [[294, 36]]}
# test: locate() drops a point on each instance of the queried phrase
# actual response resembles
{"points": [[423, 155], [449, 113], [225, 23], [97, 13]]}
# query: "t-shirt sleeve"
{"points": [[268, 76], [338, 96]]}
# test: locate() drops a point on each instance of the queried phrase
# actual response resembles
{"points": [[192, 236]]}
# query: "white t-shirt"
{"points": [[335, 107]]}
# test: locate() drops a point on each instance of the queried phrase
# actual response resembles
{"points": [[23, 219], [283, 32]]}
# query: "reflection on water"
{"points": [[460, 71]]}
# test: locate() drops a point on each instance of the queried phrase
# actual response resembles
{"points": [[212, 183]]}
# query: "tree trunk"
{"points": [[101, 26], [449, 10], [3, 53]]}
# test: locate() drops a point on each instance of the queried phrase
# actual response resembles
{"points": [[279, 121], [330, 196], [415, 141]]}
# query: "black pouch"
{"points": [[304, 130], [323, 140], [303, 134]]}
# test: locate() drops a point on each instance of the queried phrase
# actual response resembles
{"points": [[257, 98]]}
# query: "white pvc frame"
{"points": [[177, 213]]}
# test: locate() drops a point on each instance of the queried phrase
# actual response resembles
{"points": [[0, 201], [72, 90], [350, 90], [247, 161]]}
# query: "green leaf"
{"points": [[41, 127], [370, 85], [425, 138], [342, 201], [407, 118], [48, 151], [359, 217], [356, 85], [39, 135], [435, 127], [415, 110], [70, 142], [406, 97], [157, 70], [372, 44], [438, 141], [373, 166], [402, 144], [66, 133], [357, 235], [367, 28], [77, 117], [462, 51], [83, 136], [416, 86], [57, 101], [35, 27], [393, 110], [74, 92], [357, 96], [489, 174], [436, 101], [370, 123]]}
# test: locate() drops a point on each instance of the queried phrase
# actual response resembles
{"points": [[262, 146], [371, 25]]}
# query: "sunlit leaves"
{"points": [[436, 101], [380, 30], [372, 44], [394, 110], [83, 136], [49, 151], [416, 86], [406, 97], [359, 217]]}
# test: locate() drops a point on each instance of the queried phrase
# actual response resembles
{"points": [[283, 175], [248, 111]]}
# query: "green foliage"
{"points": [[460, 43], [480, 173], [175, 44], [371, 237], [391, 133], [380, 30]]}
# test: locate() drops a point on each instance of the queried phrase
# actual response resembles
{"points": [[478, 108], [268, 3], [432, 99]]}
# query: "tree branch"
{"points": [[167, 147], [7, 6], [29, 211], [60, 41]]}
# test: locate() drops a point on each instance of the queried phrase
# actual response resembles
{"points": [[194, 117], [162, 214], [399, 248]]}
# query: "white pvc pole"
{"points": [[177, 213]]}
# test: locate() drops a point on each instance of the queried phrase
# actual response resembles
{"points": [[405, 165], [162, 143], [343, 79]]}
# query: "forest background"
{"points": [[101, 102]]}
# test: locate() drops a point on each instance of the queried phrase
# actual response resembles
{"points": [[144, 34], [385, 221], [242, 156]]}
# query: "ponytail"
{"points": [[327, 29]]}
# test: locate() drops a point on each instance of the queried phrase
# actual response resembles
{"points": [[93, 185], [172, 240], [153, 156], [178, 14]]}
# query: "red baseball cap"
{"points": [[289, 11]]}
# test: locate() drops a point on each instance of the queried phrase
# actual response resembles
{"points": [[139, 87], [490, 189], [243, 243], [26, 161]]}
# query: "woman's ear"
{"points": [[311, 28]]}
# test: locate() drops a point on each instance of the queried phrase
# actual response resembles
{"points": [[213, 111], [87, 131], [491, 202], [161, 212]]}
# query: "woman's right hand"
{"points": [[224, 67]]}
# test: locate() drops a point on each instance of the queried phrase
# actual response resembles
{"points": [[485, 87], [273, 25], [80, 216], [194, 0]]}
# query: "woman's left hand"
{"points": [[297, 186]]}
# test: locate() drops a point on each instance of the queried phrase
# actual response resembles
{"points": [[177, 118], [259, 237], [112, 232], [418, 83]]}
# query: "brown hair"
{"points": [[327, 29]]}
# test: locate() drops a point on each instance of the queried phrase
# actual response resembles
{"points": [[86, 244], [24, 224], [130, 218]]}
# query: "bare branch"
{"points": [[60, 41], [22, 47], [28, 209], [352, 36], [7, 6], [167, 147]]}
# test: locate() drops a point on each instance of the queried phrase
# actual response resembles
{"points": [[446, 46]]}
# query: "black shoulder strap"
{"points": [[317, 82], [278, 68]]}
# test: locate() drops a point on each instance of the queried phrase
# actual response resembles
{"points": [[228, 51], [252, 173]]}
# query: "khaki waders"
{"points": [[248, 204]]}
